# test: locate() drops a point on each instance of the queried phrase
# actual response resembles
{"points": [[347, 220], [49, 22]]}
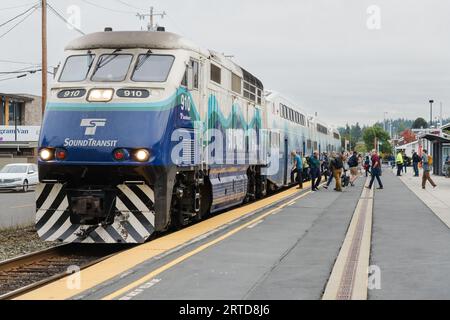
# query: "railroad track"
{"points": [[29, 272]]}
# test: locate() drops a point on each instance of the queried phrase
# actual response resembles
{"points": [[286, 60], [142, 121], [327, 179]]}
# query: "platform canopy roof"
{"points": [[435, 138]]}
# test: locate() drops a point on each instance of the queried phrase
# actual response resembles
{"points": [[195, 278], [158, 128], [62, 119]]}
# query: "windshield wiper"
{"points": [[112, 57], [143, 60]]}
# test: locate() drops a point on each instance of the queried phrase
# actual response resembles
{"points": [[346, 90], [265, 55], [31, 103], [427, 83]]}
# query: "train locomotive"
{"points": [[144, 131]]}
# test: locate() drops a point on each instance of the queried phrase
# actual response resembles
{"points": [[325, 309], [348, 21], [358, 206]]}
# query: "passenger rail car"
{"points": [[146, 130]]}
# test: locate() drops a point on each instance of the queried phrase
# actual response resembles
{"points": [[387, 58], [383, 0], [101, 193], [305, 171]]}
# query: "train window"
{"points": [[76, 68], [236, 83], [302, 119], [152, 68], [195, 73], [112, 67], [184, 82], [322, 129], [216, 74]]}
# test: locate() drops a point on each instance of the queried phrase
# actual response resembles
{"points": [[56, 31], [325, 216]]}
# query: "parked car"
{"points": [[20, 177]]}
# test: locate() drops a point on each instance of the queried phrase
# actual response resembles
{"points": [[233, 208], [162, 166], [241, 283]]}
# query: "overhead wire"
{"points": [[19, 15], [19, 62], [129, 5], [106, 8], [16, 7], [18, 23]]}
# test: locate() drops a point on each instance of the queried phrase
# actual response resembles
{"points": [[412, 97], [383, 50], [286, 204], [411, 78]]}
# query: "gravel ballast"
{"points": [[20, 241]]}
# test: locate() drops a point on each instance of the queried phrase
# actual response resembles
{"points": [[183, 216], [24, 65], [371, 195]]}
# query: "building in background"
{"points": [[437, 142], [20, 123]]}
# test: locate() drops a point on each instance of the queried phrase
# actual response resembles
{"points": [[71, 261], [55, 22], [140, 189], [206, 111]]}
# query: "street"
{"points": [[16, 209]]}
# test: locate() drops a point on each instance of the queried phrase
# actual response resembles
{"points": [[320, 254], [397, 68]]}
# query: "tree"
{"points": [[420, 123], [356, 134], [369, 135], [408, 136]]}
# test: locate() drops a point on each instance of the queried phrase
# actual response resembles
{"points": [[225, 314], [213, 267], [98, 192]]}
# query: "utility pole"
{"points": [[151, 26], [44, 55]]}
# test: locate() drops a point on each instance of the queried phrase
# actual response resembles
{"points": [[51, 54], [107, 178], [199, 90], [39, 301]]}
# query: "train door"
{"points": [[286, 159]]}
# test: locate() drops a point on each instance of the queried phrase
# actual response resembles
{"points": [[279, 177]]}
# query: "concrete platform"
{"points": [[286, 247], [410, 244], [289, 255]]}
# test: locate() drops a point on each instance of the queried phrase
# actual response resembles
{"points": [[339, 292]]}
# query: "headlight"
{"points": [[141, 155], [100, 95], [46, 154]]}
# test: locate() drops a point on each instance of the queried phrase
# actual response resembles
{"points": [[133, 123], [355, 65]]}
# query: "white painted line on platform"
{"points": [[255, 224]]}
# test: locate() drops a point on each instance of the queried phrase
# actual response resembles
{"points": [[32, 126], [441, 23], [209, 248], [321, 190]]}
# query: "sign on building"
{"points": [[24, 134]]}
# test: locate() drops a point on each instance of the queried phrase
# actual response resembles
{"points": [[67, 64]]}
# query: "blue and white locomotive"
{"points": [[146, 130]]}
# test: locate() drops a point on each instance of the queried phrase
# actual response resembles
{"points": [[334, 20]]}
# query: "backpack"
{"points": [[338, 164], [345, 180], [353, 162], [430, 160]]}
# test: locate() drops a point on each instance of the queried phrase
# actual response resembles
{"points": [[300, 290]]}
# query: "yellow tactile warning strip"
{"points": [[122, 262], [349, 278]]}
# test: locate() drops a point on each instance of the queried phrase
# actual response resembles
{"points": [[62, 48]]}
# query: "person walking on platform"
{"points": [[353, 164], [306, 176], [416, 160], [376, 171], [427, 162], [315, 171], [336, 166], [330, 169], [399, 162], [324, 165], [406, 160], [297, 169], [367, 165]]}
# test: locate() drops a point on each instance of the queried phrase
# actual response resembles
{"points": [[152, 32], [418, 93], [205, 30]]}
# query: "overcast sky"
{"points": [[348, 60]]}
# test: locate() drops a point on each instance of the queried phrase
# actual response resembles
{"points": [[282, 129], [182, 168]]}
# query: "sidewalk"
{"points": [[438, 199]]}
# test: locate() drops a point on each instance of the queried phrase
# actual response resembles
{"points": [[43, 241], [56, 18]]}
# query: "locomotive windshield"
{"points": [[152, 68], [112, 67], [76, 68]]}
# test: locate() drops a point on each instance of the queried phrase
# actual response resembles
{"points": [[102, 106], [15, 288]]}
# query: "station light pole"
{"points": [[431, 113], [44, 54]]}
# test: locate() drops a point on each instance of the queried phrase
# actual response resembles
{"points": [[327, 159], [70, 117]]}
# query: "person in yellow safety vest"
{"points": [[399, 162]]}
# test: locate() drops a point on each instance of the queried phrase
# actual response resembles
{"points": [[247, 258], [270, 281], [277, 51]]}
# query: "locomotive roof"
{"points": [[133, 40], [153, 40]]}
